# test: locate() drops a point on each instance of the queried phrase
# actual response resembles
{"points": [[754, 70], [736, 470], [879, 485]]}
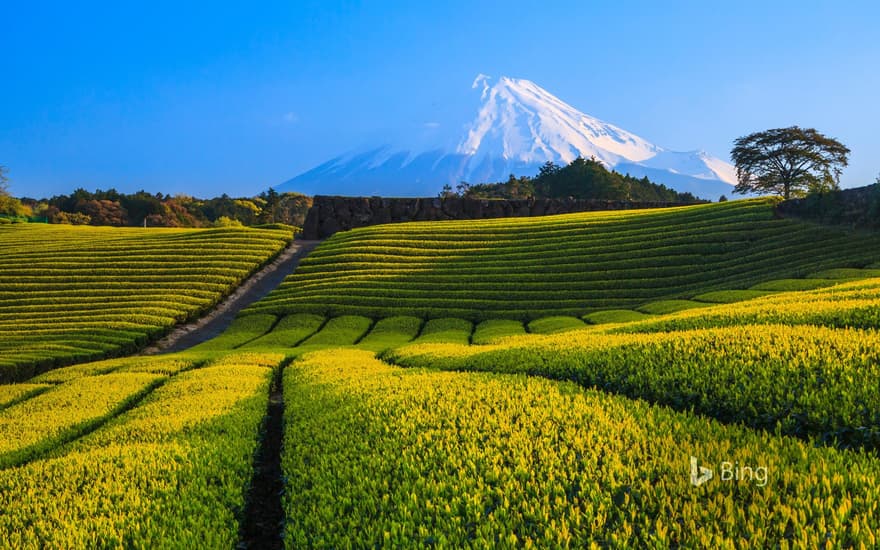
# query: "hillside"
{"points": [[559, 432], [574, 264], [71, 294]]}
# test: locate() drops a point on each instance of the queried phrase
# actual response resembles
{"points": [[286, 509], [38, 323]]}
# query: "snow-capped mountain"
{"points": [[519, 127]]}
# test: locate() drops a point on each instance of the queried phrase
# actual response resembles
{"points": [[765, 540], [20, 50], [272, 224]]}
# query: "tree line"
{"points": [[580, 179], [114, 208]]}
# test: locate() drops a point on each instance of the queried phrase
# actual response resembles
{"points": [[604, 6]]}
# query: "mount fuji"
{"points": [[519, 127]]}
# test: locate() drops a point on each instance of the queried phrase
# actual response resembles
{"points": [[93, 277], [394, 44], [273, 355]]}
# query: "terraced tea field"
{"points": [[526, 268], [555, 396], [71, 293]]}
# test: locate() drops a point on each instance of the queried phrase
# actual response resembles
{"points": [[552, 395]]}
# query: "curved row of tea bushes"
{"points": [[289, 332], [556, 323], [573, 264], [346, 330], [10, 394], [854, 304], [446, 330], [240, 332], [407, 458], [495, 329], [165, 365], [72, 294], [391, 332]]}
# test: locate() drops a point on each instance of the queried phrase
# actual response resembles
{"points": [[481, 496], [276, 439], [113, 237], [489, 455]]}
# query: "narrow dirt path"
{"points": [[262, 524], [218, 319]]}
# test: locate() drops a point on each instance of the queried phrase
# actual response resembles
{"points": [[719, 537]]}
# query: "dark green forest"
{"points": [[580, 179]]}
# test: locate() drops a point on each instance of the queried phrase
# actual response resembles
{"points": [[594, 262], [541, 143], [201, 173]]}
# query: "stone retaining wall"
{"points": [[331, 214]]}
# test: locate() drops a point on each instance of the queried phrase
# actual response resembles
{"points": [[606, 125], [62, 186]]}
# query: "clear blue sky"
{"points": [[206, 98]]}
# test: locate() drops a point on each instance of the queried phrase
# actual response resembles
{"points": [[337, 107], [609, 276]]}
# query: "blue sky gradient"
{"points": [[207, 98]]}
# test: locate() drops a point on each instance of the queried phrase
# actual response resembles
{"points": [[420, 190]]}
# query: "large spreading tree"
{"points": [[788, 161]]}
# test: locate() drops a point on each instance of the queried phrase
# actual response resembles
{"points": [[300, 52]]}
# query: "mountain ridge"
{"points": [[519, 126]]}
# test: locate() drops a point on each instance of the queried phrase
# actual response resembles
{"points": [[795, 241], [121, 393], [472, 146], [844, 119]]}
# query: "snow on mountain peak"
{"points": [[482, 79], [526, 123]]}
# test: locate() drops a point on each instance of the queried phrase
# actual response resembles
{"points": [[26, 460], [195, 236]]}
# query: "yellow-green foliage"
{"points": [[66, 374], [154, 364], [408, 458], [845, 273], [12, 393], [73, 294], [37, 424], [170, 473], [806, 381], [577, 435], [852, 304], [181, 406], [250, 358], [159, 365]]}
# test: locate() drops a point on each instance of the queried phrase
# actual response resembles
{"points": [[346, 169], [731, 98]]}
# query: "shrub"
{"points": [[224, 221], [72, 218]]}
